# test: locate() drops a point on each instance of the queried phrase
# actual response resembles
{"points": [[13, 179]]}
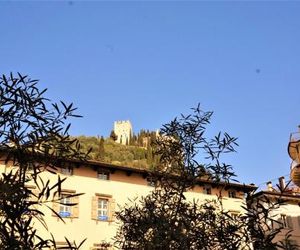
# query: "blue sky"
{"points": [[150, 61]]}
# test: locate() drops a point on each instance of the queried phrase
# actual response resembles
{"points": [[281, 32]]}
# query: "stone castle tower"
{"points": [[123, 129]]}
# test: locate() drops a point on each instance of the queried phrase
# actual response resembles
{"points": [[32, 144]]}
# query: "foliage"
{"points": [[101, 151], [113, 136], [182, 140], [108, 151], [165, 215], [33, 138], [165, 219]]}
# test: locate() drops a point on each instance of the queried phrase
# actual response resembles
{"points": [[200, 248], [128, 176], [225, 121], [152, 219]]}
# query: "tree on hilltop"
{"points": [[101, 151], [113, 135]]}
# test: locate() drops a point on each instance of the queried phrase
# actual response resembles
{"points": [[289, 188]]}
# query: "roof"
{"points": [[290, 196], [146, 172]]}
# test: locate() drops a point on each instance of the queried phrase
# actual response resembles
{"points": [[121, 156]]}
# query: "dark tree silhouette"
{"points": [[113, 135], [165, 219], [34, 138], [101, 151]]}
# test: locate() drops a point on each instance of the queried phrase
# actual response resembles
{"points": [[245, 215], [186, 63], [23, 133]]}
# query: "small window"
{"points": [[103, 175], [151, 182], [232, 194], [102, 211], [207, 189], [67, 171], [64, 208]]}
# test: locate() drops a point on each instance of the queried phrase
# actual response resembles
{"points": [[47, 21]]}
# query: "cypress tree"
{"points": [[113, 135], [101, 151]]}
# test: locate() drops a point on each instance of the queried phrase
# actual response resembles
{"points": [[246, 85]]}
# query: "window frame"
{"points": [[232, 194], [104, 212], [65, 211], [67, 171], [150, 182], [111, 203], [60, 209], [101, 173], [207, 189]]}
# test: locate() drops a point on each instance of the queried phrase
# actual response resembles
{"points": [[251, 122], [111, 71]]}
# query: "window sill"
{"points": [[232, 198]]}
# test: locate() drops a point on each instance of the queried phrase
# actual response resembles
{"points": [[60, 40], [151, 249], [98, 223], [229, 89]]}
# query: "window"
{"points": [[103, 208], [67, 170], [232, 194], [103, 175], [207, 189], [64, 208], [150, 182], [61, 207]]}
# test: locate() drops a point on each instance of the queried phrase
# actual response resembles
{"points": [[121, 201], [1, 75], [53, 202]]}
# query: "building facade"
{"points": [[105, 188], [294, 153], [287, 214]]}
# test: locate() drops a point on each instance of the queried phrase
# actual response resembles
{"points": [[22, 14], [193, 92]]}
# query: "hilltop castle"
{"points": [[123, 130]]}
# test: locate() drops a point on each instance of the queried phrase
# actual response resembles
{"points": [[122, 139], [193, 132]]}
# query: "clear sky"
{"points": [[150, 61]]}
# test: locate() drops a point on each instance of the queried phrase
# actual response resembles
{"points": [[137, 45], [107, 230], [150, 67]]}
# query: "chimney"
{"points": [[281, 183], [269, 186]]}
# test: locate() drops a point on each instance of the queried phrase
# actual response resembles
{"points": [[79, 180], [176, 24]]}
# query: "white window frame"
{"points": [[65, 210], [151, 182], [103, 175], [102, 209], [67, 171]]}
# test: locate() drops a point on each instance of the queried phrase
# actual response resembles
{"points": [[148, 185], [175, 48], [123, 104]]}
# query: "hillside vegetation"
{"points": [[138, 153]]}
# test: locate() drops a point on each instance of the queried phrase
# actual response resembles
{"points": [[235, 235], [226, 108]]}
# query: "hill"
{"points": [[138, 153]]}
